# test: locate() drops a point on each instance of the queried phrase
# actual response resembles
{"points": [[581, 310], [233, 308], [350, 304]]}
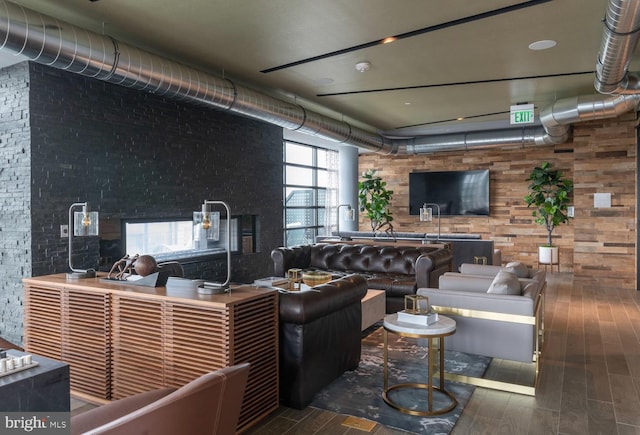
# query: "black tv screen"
{"points": [[458, 193]]}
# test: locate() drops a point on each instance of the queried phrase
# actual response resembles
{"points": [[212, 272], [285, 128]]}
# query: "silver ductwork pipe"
{"points": [[48, 41], [475, 140], [568, 111], [61, 45], [556, 125], [619, 39]]}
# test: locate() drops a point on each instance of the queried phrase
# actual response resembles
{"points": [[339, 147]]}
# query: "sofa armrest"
{"points": [[470, 300], [285, 258], [425, 263], [306, 306]]}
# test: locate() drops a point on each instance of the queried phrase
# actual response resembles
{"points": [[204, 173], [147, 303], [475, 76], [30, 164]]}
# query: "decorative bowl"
{"points": [[315, 278]]}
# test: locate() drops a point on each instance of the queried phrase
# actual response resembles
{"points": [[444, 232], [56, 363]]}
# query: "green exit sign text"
{"points": [[522, 114]]}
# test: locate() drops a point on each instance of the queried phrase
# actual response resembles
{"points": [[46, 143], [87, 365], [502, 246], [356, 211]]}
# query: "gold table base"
{"points": [[429, 387], [431, 411]]}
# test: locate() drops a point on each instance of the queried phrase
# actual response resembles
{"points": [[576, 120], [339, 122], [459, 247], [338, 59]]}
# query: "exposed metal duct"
{"points": [[619, 40], [556, 120], [61, 45]]}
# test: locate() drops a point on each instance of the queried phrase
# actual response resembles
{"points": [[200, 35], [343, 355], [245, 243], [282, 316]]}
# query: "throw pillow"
{"points": [[518, 268], [505, 283]]}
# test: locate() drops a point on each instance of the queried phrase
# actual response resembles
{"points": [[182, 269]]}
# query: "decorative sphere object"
{"points": [[145, 265], [315, 278]]}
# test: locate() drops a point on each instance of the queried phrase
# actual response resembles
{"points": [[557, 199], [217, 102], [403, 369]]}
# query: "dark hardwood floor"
{"points": [[589, 382]]}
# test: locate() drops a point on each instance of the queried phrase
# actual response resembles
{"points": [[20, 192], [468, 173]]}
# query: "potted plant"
{"points": [[549, 194], [374, 199]]}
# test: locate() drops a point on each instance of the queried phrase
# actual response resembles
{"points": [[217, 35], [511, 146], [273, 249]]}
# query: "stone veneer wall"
{"points": [[599, 244], [15, 192], [130, 154]]}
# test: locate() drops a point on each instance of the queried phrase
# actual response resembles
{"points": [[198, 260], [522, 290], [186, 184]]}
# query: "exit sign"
{"points": [[522, 114]]}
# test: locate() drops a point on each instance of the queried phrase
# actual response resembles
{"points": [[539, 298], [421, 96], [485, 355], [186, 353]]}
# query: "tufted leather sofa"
{"points": [[399, 270], [319, 337]]}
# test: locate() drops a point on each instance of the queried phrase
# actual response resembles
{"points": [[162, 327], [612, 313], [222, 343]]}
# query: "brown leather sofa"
{"points": [[319, 337], [399, 270]]}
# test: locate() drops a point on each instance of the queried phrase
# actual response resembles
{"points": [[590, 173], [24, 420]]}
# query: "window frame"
{"points": [[317, 209]]}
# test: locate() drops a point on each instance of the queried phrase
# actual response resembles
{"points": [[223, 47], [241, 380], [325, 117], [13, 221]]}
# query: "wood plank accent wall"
{"points": [[598, 244]]}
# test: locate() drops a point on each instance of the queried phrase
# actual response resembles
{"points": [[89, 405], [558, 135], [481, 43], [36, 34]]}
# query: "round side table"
{"points": [[436, 331]]}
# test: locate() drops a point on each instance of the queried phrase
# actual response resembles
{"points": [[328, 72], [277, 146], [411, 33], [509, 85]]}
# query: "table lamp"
{"points": [[350, 215], [81, 224], [426, 214], [207, 226]]}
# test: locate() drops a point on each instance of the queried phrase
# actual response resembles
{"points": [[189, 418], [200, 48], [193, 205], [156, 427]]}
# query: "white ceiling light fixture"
{"points": [[542, 45], [363, 66], [323, 81]]}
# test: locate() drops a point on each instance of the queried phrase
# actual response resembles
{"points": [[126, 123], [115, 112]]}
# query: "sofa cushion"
{"points": [[518, 268], [505, 283], [479, 269]]}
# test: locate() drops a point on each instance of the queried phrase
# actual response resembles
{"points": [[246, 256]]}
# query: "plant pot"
{"points": [[548, 254]]}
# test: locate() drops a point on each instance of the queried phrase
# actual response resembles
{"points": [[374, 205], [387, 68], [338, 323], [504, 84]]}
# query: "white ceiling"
{"points": [[458, 66]]}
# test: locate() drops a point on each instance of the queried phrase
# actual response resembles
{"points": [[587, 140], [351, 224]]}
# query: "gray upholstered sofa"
{"points": [[499, 315], [398, 270]]}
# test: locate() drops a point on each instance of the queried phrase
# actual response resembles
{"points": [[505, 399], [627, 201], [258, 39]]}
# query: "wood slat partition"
{"points": [[73, 327], [197, 341], [42, 321], [253, 324], [138, 364], [86, 340], [121, 340]]}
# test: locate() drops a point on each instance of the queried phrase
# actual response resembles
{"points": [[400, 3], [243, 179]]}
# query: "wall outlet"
{"points": [[64, 231]]}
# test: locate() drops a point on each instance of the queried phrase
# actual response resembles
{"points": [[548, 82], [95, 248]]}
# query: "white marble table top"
{"points": [[444, 325]]}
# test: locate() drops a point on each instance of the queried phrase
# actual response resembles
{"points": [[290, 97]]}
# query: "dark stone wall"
{"points": [[132, 154]]}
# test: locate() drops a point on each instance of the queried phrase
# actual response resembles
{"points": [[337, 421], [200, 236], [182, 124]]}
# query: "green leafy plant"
{"points": [[374, 200], [549, 193]]}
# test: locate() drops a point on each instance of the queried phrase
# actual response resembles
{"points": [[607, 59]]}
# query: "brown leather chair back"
{"points": [[208, 405]]}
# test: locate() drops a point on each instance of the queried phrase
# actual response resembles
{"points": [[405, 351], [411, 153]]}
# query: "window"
{"points": [[310, 187], [157, 237], [172, 238]]}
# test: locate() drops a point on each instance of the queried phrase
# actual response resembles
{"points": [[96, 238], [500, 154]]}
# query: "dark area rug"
{"points": [[359, 392]]}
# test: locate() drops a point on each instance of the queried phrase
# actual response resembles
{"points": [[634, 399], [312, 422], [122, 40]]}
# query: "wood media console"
{"points": [[121, 339]]}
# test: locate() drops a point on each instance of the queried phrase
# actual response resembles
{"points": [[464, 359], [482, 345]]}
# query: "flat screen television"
{"points": [[458, 193]]}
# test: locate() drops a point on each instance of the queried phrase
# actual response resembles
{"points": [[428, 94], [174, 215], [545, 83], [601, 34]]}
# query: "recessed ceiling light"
{"points": [[389, 39], [542, 45], [407, 103], [323, 81], [363, 66]]}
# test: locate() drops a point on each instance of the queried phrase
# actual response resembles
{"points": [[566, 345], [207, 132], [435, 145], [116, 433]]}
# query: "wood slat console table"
{"points": [[124, 339]]}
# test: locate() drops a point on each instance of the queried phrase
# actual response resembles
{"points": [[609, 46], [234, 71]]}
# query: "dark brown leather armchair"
{"points": [[207, 405], [319, 337]]}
